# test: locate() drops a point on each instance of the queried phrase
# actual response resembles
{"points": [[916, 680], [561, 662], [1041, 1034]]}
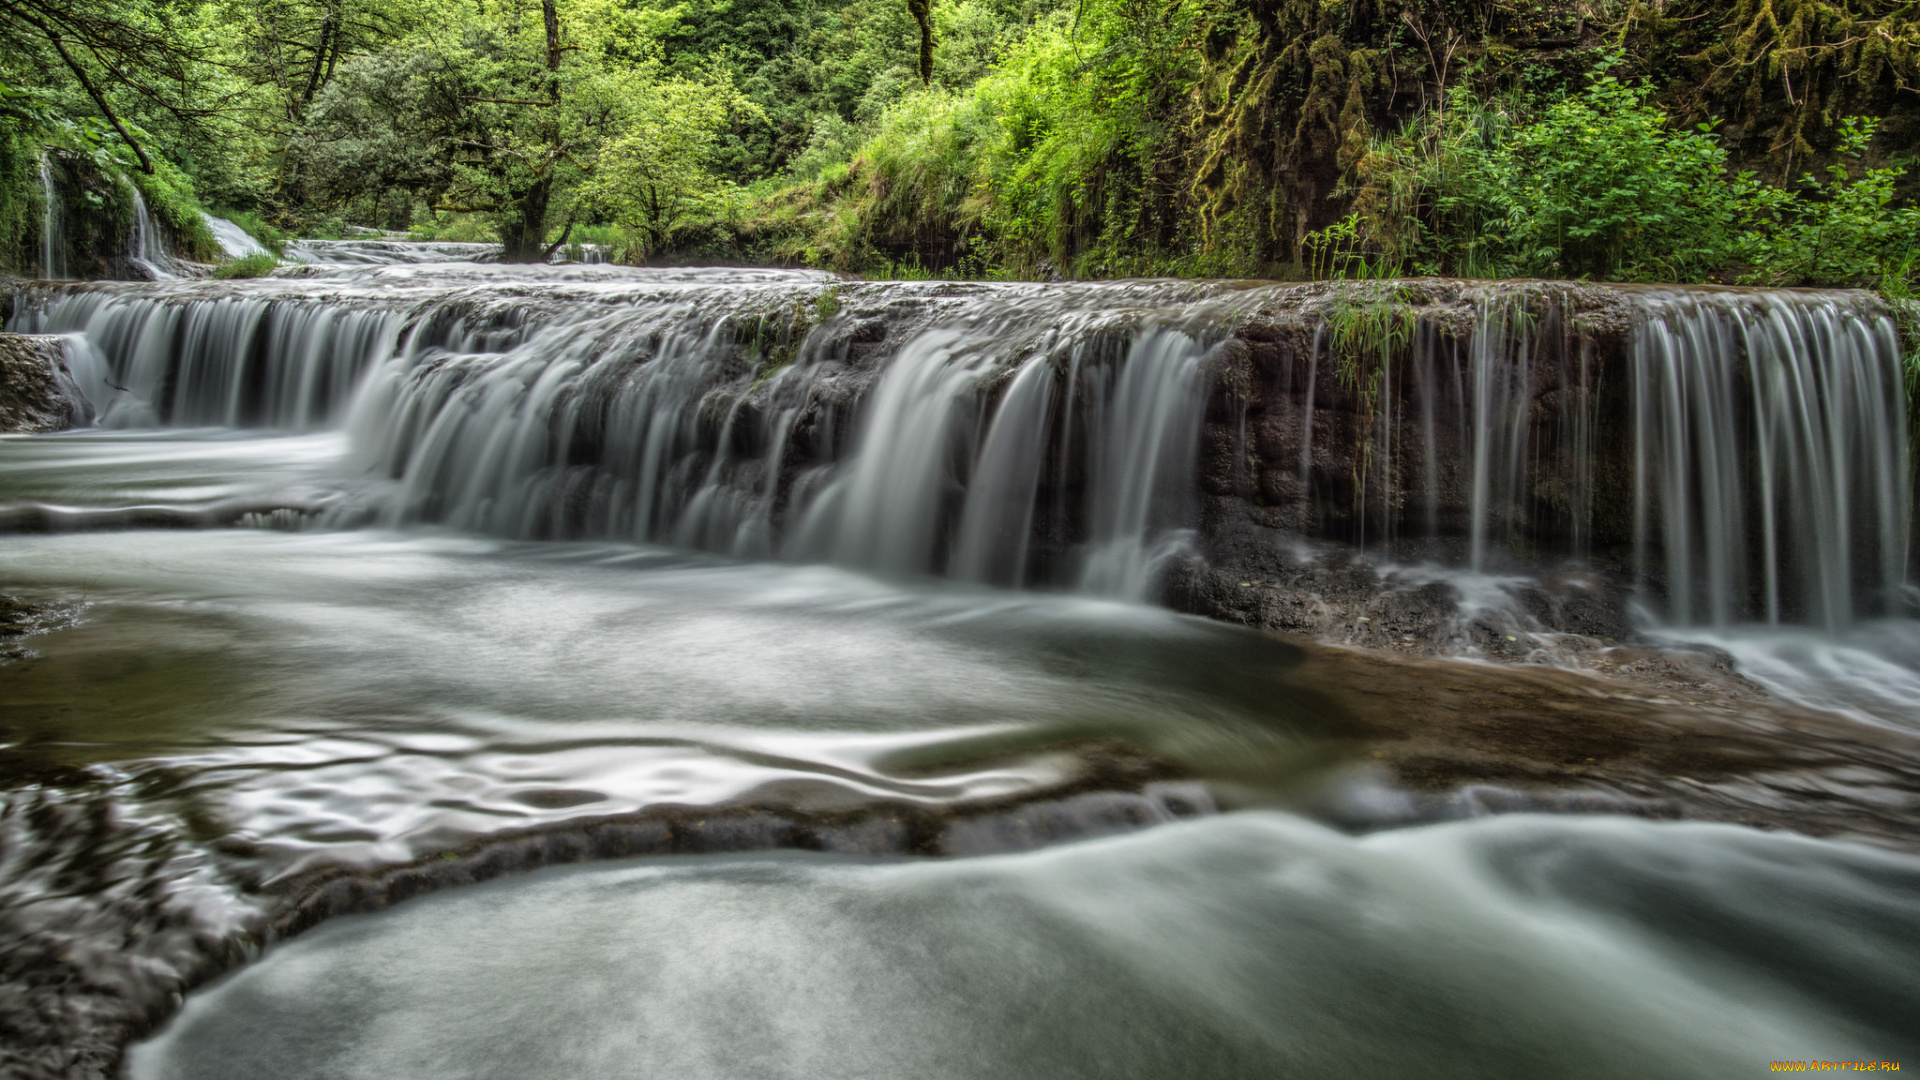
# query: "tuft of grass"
{"points": [[259, 264]]}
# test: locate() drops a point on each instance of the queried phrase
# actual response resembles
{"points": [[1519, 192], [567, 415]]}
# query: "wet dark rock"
{"points": [[36, 390], [1268, 579], [1660, 734], [100, 932], [21, 619]]}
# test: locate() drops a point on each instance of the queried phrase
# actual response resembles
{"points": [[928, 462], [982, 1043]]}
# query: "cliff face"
{"points": [[36, 390]]}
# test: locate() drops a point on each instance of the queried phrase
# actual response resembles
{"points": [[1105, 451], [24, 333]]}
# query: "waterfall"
{"points": [[234, 240], [387, 252], [237, 361], [667, 424], [53, 239], [996, 524], [1755, 465], [1771, 466], [1514, 357], [1740, 455], [144, 246], [887, 509], [1142, 440]]}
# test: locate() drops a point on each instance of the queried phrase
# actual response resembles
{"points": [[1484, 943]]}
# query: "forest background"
{"points": [[1766, 141]]}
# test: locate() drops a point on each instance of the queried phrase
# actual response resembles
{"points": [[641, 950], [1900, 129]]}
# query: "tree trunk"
{"points": [[524, 231]]}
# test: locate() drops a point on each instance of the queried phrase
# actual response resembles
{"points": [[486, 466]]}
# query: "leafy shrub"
{"points": [[1598, 185], [1840, 231]]}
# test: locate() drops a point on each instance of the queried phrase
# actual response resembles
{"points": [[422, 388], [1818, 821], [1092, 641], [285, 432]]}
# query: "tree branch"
{"points": [[146, 164], [564, 233]]}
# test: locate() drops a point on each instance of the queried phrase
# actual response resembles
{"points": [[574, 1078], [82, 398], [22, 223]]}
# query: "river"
{"points": [[436, 669]]}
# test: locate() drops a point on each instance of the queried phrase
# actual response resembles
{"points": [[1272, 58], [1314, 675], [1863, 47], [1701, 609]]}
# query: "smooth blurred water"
{"points": [[374, 695], [1250, 945], [452, 584]]}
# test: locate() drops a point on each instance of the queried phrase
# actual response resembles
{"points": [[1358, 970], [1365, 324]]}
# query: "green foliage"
{"points": [[247, 266], [1601, 184], [20, 207], [818, 70], [1049, 164], [1787, 68], [1839, 231], [1073, 138], [1339, 253], [1598, 184], [657, 169]]}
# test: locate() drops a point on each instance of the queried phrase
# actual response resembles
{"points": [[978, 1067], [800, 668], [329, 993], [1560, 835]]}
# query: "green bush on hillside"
{"points": [[1602, 185]]}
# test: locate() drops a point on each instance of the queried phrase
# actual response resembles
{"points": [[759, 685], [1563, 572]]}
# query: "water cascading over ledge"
{"points": [[1724, 455]]}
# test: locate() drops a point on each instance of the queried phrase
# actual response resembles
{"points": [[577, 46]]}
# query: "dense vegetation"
{"points": [[1764, 140]]}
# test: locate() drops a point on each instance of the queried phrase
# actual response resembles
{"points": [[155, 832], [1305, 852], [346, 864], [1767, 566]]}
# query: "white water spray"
{"points": [[145, 247]]}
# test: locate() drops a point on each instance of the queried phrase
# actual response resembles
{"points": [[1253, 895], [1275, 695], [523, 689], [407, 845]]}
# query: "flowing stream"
{"points": [[392, 572]]}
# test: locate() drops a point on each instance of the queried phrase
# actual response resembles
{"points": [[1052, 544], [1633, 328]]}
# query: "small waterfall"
{"points": [[387, 252], [235, 241], [1747, 456], [144, 246], [1770, 458], [996, 524], [241, 361], [1143, 438], [53, 238], [1741, 455], [665, 424], [888, 508], [1516, 357]]}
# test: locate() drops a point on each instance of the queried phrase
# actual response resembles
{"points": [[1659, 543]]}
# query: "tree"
{"points": [[659, 166], [297, 46], [530, 117], [109, 45]]}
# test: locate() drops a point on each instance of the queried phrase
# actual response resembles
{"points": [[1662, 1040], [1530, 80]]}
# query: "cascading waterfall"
{"points": [[1743, 457], [660, 425], [1500, 379], [53, 239], [1763, 437], [145, 248], [235, 241], [996, 523], [1142, 440], [1770, 464], [387, 252], [238, 361]]}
